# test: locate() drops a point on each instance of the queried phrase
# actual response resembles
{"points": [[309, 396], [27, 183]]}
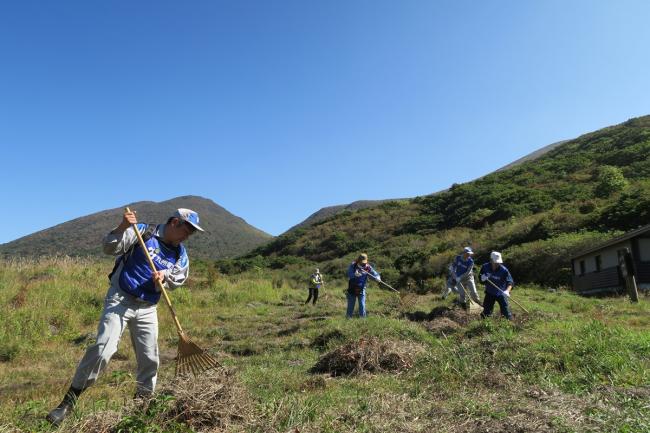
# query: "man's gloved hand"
{"points": [[485, 277], [378, 278], [506, 293], [357, 273]]}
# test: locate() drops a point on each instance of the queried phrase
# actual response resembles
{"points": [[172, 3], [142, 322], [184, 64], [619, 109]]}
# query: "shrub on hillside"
{"points": [[609, 180], [549, 261]]}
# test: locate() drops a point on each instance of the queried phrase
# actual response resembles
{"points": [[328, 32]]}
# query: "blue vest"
{"points": [[136, 276], [501, 278], [462, 266]]}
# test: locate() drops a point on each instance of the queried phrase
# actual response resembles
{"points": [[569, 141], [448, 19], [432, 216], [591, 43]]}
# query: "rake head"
{"points": [[191, 359]]}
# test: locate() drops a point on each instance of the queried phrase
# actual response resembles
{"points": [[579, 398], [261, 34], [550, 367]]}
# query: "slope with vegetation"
{"points": [[571, 365], [537, 213], [226, 234]]}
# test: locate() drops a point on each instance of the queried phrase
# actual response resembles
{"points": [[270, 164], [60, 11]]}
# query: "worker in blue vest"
{"points": [[463, 275], [498, 284], [132, 298], [358, 273]]}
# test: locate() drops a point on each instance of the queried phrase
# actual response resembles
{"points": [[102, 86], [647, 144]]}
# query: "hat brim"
{"points": [[194, 225]]}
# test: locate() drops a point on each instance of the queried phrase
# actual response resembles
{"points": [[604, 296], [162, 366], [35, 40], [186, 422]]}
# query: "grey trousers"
{"points": [[120, 311], [467, 284], [451, 287]]}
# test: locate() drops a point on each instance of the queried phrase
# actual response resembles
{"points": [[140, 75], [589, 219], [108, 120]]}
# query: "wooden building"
{"points": [[596, 270]]}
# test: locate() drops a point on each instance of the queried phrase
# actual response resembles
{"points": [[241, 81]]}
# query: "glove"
{"points": [[378, 278], [357, 273], [506, 294], [484, 277]]}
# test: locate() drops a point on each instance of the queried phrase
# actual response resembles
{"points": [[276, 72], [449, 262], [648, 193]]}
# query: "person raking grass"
{"points": [[132, 298]]}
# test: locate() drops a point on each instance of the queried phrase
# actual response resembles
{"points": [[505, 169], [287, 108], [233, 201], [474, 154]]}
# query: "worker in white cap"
{"points": [[498, 284]]}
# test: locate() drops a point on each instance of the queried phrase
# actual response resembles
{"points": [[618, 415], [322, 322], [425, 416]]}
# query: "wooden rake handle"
{"points": [[379, 281], [158, 284], [513, 300]]}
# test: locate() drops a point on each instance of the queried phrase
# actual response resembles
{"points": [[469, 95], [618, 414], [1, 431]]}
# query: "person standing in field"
{"points": [[463, 274], [315, 283], [498, 284], [358, 273], [131, 300]]}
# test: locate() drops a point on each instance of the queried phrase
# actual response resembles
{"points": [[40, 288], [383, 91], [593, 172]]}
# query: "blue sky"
{"points": [[274, 109]]}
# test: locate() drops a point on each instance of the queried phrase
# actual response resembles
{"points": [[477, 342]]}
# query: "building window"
{"points": [[599, 263], [582, 267]]}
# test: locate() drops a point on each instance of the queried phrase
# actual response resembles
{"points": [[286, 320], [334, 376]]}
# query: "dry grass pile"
{"points": [[443, 320], [215, 402], [368, 354]]}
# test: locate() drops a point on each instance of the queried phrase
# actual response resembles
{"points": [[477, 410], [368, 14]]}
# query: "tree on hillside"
{"points": [[610, 180]]}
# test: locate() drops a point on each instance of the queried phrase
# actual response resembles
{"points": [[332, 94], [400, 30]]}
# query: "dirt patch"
{"points": [[368, 354], [323, 340]]}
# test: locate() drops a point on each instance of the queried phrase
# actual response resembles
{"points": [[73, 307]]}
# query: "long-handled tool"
{"points": [[507, 295], [402, 296], [468, 296], [190, 357]]}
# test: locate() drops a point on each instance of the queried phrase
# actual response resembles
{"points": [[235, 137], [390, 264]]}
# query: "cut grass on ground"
{"points": [[572, 365]]}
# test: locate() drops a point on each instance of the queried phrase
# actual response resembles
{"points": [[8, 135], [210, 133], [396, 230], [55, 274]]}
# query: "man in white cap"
{"points": [[498, 284], [132, 298], [315, 283], [462, 276]]}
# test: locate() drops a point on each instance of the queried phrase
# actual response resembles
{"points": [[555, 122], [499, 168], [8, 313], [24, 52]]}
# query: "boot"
{"points": [[59, 413]]}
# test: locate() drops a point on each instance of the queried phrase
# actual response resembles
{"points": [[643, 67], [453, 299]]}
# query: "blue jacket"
{"points": [[501, 277], [361, 280], [462, 267]]}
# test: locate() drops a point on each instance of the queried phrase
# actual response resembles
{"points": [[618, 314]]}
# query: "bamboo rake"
{"points": [[513, 300]]}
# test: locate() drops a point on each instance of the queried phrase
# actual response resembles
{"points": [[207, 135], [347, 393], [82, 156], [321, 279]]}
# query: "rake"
{"points": [[406, 299], [472, 304], [190, 357], [513, 300]]}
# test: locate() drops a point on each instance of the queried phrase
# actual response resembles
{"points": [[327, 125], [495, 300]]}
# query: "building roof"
{"points": [[624, 237]]}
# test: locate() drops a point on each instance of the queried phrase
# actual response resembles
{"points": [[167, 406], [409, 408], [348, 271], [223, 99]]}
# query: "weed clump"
{"points": [[367, 354]]}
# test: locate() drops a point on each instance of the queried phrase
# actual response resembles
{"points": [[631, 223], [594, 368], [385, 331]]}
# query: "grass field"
{"points": [[572, 365]]}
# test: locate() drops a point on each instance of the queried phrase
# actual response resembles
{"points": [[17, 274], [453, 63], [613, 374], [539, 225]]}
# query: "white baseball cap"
{"points": [[189, 216], [495, 257]]}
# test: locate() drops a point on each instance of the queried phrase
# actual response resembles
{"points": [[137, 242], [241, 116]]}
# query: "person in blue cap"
{"points": [[498, 284], [131, 300], [462, 272], [358, 273]]}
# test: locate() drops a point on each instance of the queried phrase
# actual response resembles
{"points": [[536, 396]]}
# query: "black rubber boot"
{"points": [[59, 413]]}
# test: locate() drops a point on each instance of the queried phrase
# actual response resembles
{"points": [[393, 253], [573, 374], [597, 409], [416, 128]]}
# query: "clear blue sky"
{"points": [[274, 109]]}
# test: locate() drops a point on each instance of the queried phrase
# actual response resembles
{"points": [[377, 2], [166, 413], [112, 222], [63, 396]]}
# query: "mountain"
{"points": [[330, 211], [226, 234], [537, 212]]}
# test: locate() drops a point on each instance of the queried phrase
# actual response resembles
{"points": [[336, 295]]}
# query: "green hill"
{"points": [[226, 234], [537, 213]]}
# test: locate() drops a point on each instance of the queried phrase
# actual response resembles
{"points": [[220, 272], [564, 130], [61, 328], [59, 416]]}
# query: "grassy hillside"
{"points": [[538, 213], [226, 234], [572, 365]]}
